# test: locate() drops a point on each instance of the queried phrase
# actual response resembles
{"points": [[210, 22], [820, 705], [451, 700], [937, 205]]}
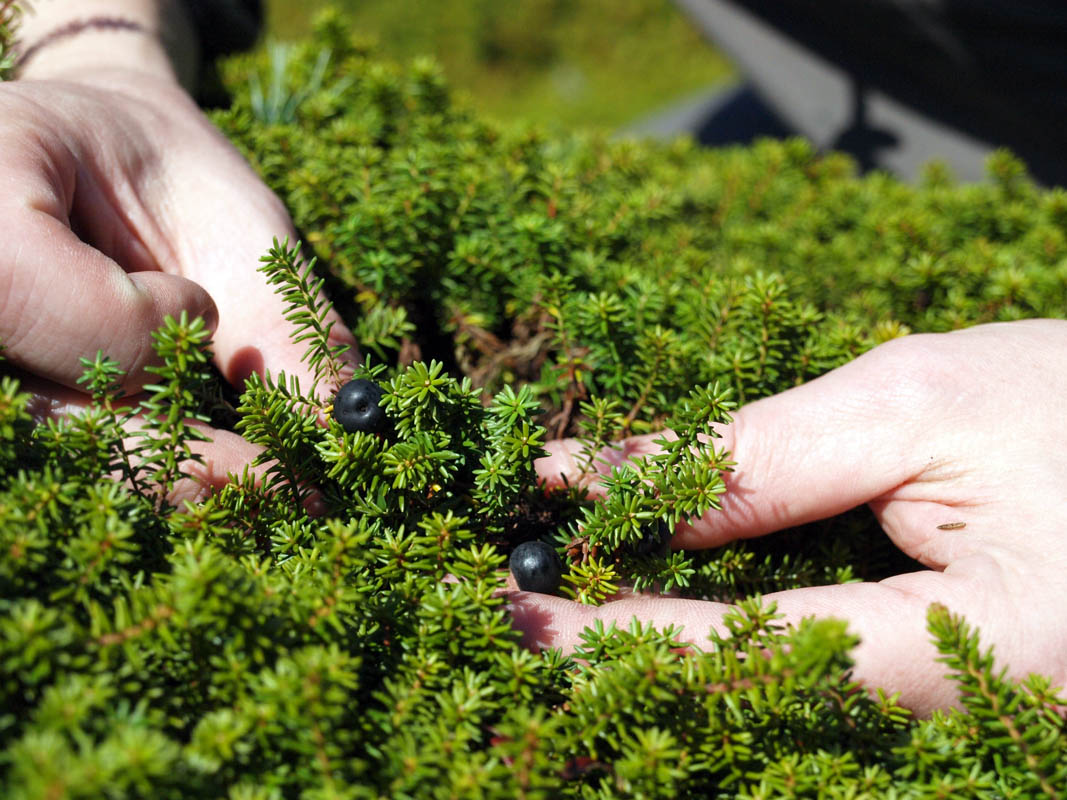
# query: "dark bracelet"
{"points": [[75, 27]]}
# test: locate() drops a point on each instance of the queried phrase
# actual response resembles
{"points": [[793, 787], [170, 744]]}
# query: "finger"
{"points": [[222, 456], [62, 300], [844, 439], [236, 219], [895, 651], [855, 435], [568, 463], [253, 334]]}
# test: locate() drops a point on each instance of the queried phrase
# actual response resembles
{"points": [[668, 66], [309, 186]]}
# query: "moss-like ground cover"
{"points": [[506, 285]]}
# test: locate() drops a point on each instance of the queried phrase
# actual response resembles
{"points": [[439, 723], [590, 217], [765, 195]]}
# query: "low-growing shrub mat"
{"points": [[506, 287]]}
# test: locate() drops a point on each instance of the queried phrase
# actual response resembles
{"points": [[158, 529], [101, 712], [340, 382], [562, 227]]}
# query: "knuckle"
{"points": [[913, 374]]}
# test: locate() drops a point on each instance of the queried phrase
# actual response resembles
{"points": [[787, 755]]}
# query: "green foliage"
{"points": [[306, 309], [276, 103], [335, 625], [175, 401], [9, 17], [597, 63]]}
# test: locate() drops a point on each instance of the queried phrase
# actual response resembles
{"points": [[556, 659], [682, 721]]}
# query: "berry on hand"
{"points": [[654, 541], [357, 407], [536, 567]]}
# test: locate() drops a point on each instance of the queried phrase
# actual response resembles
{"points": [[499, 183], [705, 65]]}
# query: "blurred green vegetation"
{"points": [[563, 63]]}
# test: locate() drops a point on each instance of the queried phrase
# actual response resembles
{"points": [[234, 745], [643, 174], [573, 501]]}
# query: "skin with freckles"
{"points": [[930, 431], [127, 205]]}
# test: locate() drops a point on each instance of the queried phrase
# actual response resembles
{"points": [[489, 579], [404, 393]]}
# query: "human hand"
{"points": [[965, 427], [122, 204]]}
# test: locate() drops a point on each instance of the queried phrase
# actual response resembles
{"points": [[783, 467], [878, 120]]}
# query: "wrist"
{"points": [[63, 40]]}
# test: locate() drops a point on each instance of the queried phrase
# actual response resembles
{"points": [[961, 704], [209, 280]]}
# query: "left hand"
{"points": [[120, 172], [124, 203]]}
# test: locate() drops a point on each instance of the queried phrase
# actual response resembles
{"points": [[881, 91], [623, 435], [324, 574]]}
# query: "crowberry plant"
{"points": [[9, 14], [507, 286]]}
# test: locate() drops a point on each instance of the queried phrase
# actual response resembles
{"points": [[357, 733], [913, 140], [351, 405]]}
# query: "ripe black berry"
{"points": [[357, 407], [536, 567], [654, 542]]}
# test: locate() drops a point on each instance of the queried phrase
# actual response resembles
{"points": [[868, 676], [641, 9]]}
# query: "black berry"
{"points": [[357, 407], [536, 567], [654, 542]]}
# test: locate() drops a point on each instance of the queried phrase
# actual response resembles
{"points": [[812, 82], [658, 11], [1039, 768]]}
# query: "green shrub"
{"points": [[9, 14], [506, 287]]}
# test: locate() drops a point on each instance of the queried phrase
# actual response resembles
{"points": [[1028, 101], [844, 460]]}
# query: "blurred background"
{"points": [[895, 88], [601, 63]]}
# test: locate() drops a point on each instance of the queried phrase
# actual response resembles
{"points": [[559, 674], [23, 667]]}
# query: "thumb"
{"points": [[814, 451], [65, 300], [820, 449]]}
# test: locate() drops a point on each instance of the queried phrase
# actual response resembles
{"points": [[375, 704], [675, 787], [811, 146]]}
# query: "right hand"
{"points": [[928, 430]]}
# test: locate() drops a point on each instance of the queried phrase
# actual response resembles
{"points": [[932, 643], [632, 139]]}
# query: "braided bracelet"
{"points": [[77, 26]]}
